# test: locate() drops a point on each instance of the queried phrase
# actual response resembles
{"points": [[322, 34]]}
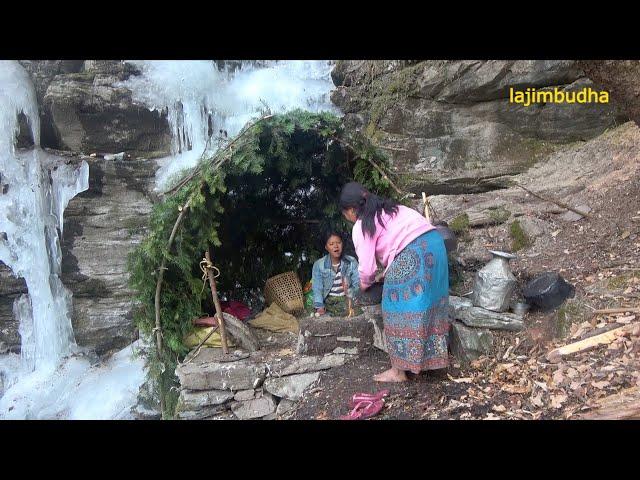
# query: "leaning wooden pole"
{"points": [[426, 208], [216, 302], [378, 168], [163, 267], [219, 155]]}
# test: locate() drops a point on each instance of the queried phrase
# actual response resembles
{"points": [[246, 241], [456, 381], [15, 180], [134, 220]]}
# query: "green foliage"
{"points": [[498, 214], [572, 311], [259, 208], [519, 238], [460, 224]]}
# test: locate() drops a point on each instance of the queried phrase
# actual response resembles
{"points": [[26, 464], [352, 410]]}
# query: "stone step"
{"points": [[472, 316], [291, 387]]}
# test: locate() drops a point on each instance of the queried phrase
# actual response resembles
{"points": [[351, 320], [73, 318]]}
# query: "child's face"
{"points": [[334, 246]]}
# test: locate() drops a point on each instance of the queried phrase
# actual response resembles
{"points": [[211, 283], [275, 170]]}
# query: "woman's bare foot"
{"points": [[391, 375]]}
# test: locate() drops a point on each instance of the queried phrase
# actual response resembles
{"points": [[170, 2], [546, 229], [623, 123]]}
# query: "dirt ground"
{"points": [[599, 255], [409, 400]]}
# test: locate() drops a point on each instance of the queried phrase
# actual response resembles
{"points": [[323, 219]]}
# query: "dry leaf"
{"points": [[600, 385], [537, 400], [516, 388], [323, 415], [558, 377], [542, 385], [499, 408], [503, 366], [479, 362], [625, 234], [580, 392], [558, 400], [625, 320]]}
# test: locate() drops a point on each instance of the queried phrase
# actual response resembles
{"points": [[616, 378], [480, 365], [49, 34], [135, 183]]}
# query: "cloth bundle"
{"points": [[275, 319]]}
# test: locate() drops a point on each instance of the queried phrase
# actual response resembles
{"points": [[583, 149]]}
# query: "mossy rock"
{"points": [[498, 214], [572, 311], [460, 224], [519, 238]]}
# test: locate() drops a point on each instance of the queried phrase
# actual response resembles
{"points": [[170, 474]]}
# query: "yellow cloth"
{"points": [[275, 319], [199, 334]]}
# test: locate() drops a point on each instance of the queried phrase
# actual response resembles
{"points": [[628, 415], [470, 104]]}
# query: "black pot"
{"points": [[548, 291]]}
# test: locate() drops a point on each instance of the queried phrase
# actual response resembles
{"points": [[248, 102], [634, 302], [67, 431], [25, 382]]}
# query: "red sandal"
{"points": [[364, 409], [360, 397]]}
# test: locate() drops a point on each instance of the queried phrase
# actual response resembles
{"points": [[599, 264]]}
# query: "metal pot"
{"points": [[494, 284]]}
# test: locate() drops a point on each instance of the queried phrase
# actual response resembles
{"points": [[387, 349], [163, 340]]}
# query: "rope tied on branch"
{"points": [[157, 330], [205, 266]]}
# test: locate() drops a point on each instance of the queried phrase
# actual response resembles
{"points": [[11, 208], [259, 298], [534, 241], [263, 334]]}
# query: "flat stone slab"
{"points": [[291, 387], [285, 406], [208, 355], [467, 343], [243, 374], [325, 334], [196, 399], [256, 408], [306, 364], [202, 413], [346, 351], [570, 216], [464, 310], [243, 395]]}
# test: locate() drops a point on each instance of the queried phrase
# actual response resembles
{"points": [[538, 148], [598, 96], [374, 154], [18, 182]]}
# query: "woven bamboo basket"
{"points": [[286, 291]]}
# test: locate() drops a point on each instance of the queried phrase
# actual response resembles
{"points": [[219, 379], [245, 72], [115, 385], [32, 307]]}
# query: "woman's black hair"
{"points": [[368, 206], [331, 233]]}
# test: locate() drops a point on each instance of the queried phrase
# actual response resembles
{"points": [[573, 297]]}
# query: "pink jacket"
{"points": [[398, 232]]}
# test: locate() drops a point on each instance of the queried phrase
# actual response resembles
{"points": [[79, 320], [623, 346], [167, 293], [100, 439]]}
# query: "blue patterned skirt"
{"points": [[415, 305]]}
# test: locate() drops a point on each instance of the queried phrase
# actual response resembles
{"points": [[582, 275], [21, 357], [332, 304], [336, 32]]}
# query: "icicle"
{"points": [[197, 94], [31, 213]]}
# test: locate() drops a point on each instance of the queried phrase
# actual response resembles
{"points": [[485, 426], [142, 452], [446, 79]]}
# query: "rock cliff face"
{"points": [[10, 289], [449, 124], [621, 78], [102, 225], [82, 111]]}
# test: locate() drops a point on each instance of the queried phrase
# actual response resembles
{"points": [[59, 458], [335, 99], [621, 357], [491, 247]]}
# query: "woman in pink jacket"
{"points": [[415, 299]]}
